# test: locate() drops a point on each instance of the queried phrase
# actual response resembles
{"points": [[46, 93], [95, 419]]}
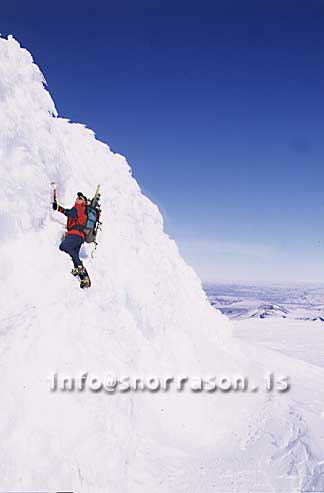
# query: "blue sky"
{"points": [[218, 107]]}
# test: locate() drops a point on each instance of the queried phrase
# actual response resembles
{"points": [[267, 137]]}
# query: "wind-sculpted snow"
{"points": [[145, 314]]}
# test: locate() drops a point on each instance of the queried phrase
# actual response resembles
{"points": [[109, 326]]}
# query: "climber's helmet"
{"points": [[81, 198]]}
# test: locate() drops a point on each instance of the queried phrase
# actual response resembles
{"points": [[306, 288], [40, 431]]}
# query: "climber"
{"points": [[74, 237]]}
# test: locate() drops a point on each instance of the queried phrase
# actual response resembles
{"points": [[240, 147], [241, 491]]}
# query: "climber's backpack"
{"points": [[93, 218]]}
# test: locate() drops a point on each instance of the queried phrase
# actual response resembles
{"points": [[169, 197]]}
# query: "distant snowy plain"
{"points": [[299, 335]]}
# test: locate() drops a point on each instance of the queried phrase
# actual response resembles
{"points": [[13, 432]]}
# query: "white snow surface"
{"points": [[146, 313]]}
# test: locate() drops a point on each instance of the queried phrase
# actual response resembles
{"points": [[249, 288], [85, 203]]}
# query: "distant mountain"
{"points": [[265, 311]]}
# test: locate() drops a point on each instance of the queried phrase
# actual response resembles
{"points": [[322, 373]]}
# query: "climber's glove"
{"points": [[55, 206]]}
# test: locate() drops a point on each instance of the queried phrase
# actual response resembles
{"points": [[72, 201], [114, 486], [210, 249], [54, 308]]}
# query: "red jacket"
{"points": [[77, 219]]}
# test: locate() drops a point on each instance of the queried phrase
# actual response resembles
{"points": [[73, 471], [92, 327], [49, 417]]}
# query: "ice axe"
{"points": [[53, 184]]}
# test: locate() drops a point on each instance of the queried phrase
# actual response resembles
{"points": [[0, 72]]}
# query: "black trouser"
{"points": [[71, 245]]}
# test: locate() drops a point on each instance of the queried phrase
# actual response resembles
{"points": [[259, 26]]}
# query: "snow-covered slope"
{"points": [[145, 314]]}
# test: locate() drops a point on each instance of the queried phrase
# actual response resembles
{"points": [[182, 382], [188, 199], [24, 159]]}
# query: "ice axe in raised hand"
{"points": [[53, 184]]}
